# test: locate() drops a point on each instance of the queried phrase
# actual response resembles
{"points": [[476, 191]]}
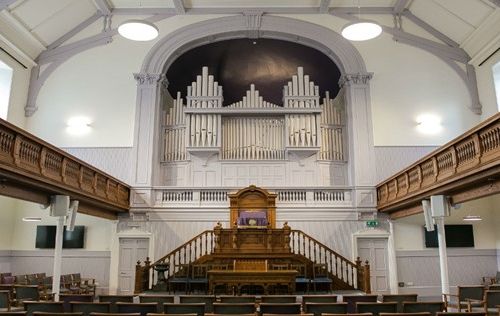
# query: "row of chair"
{"points": [[250, 314]]}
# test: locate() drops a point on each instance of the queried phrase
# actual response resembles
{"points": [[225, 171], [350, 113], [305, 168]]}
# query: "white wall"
{"points": [[7, 215], [97, 234], [409, 231], [486, 86], [19, 90]]}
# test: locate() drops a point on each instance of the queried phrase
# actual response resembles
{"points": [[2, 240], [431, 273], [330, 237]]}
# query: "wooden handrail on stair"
{"points": [[187, 253], [345, 273], [349, 274]]}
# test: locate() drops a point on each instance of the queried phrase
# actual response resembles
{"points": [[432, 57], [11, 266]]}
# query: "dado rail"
{"points": [[33, 170], [464, 169]]}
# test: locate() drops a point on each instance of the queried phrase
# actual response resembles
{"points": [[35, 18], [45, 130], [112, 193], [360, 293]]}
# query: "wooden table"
{"points": [[236, 279]]}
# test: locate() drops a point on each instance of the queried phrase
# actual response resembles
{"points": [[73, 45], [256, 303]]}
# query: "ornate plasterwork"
{"points": [[149, 79], [254, 21], [359, 78]]}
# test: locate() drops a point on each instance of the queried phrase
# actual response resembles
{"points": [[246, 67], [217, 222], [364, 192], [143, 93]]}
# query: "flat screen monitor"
{"points": [[456, 236], [46, 237]]}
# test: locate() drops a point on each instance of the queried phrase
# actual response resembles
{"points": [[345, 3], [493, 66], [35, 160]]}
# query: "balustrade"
{"points": [[28, 157], [467, 155]]}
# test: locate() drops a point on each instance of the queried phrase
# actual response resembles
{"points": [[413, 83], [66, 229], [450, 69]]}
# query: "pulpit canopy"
{"points": [[253, 207]]}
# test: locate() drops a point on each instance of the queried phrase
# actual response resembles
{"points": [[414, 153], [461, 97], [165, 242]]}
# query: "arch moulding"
{"points": [[151, 80]]}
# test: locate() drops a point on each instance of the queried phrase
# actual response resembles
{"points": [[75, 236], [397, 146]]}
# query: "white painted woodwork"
{"points": [[131, 250], [332, 128], [375, 251]]}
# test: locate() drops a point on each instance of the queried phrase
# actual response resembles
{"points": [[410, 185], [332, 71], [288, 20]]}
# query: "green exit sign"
{"points": [[373, 223]]}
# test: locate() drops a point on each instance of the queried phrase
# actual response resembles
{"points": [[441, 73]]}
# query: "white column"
{"points": [[392, 264], [443, 255], [56, 274], [147, 126], [360, 138]]}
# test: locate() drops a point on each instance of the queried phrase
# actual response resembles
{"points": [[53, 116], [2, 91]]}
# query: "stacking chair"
{"points": [[321, 308], [301, 280], [158, 299], [114, 314], [52, 307], [351, 301], [321, 278], [234, 308], [376, 308], [399, 299], [461, 314], [208, 300], [141, 308], [184, 308], [66, 298], [465, 296], [179, 278], [319, 299], [9, 279], [491, 303], [26, 293], [4, 301], [198, 277], [278, 299], [87, 308], [113, 299], [56, 314], [494, 287], [238, 299], [417, 307], [280, 308]]}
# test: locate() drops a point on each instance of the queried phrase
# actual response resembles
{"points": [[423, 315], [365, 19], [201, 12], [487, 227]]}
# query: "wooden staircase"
{"points": [[275, 245]]}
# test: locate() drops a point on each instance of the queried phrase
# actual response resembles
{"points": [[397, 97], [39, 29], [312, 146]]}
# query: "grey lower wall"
{"points": [[116, 161], [91, 264], [391, 159], [465, 266]]}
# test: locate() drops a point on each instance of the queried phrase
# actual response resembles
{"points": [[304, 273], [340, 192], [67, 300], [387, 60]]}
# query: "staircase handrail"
{"points": [[324, 246], [162, 259]]}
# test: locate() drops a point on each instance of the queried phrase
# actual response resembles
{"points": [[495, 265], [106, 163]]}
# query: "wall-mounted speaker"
{"points": [[59, 205], [429, 222], [440, 206], [73, 210]]}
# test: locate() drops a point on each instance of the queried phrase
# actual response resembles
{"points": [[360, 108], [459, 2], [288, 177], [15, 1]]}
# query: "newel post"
{"points": [[142, 276], [359, 274], [366, 273]]}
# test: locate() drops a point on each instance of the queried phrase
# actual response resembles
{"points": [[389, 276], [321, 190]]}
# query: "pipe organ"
{"points": [[254, 129], [332, 128]]}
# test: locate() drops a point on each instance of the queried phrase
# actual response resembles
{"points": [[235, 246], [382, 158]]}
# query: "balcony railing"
{"points": [[41, 168], [448, 169]]}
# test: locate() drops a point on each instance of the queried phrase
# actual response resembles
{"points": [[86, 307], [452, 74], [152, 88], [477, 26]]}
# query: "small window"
{"points": [[496, 80], [5, 84]]}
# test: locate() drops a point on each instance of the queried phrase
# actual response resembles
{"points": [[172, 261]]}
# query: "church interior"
{"points": [[254, 157]]}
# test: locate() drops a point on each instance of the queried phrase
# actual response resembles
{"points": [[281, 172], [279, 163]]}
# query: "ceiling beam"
{"points": [[430, 29], [400, 6], [179, 7], [103, 6], [363, 10], [495, 2], [77, 29], [5, 3], [324, 6]]}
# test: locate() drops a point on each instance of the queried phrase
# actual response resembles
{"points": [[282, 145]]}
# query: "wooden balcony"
{"points": [[33, 170], [464, 169]]}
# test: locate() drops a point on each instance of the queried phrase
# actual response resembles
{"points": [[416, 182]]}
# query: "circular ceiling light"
{"points": [[138, 30], [361, 30]]}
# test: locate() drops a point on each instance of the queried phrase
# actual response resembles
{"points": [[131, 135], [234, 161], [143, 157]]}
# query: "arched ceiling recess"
{"points": [[254, 25], [267, 63]]}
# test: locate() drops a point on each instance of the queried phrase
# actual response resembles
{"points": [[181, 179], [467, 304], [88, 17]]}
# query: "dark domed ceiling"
{"points": [[268, 63]]}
